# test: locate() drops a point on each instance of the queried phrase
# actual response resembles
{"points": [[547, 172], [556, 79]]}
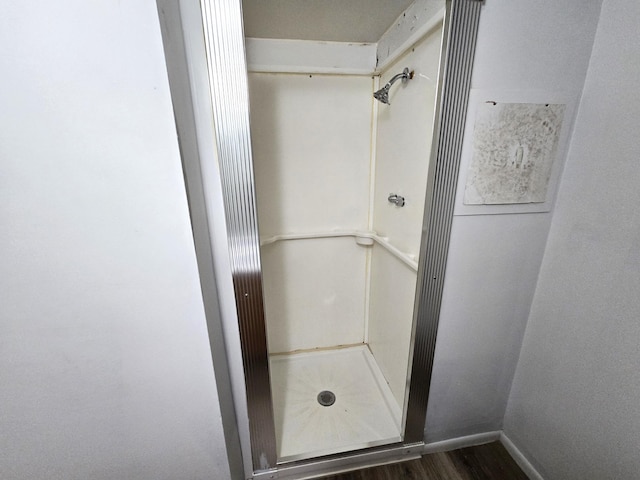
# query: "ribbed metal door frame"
{"points": [[461, 26], [224, 37]]}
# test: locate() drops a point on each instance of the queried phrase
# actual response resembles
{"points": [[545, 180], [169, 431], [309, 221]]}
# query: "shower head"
{"points": [[383, 94]]}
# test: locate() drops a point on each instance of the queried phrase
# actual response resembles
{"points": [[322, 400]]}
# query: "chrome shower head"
{"points": [[382, 95]]}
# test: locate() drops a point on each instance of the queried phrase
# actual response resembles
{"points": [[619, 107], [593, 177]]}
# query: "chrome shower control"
{"points": [[397, 199]]}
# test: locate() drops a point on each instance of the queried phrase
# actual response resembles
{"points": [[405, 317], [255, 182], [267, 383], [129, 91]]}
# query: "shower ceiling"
{"points": [[360, 21]]}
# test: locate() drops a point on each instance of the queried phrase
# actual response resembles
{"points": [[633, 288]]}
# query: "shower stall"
{"points": [[336, 190], [341, 181]]}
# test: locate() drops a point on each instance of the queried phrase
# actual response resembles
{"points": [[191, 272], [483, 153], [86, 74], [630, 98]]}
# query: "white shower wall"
{"points": [[311, 139], [403, 145], [393, 287], [315, 172], [402, 158], [314, 293]]}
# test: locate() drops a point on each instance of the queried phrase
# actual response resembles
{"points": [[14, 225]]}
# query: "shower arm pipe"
{"points": [[404, 75], [382, 95], [408, 259]]}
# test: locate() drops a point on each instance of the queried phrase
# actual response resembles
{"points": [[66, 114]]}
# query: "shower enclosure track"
{"points": [[405, 258]]}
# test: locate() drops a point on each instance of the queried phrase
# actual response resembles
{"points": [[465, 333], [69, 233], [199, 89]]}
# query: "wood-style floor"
{"points": [[483, 462]]}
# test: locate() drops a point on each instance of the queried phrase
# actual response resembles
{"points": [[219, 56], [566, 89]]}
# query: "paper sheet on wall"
{"points": [[514, 146]]}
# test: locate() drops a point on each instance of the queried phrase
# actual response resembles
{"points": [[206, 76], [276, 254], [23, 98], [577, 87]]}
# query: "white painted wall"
{"points": [[311, 142], [403, 148], [104, 359], [574, 408], [494, 260]]}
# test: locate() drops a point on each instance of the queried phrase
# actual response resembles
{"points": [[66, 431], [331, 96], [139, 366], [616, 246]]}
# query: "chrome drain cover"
{"points": [[326, 398]]}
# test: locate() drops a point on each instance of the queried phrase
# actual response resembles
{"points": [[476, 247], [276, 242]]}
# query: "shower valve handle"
{"points": [[397, 199]]}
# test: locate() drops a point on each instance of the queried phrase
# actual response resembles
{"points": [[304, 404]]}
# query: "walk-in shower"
{"points": [[340, 262], [383, 94], [336, 299]]}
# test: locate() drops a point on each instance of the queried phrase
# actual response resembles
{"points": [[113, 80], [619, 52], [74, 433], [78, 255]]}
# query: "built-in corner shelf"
{"points": [[361, 238]]}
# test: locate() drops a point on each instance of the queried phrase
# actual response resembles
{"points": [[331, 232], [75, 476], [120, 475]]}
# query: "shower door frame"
{"points": [[221, 42]]}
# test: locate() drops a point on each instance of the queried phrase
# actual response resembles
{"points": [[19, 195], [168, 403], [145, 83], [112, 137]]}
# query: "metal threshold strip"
{"points": [[343, 462]]}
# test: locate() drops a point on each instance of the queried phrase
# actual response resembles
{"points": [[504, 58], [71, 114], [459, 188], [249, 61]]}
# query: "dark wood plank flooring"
{"points": [[483, 462]]}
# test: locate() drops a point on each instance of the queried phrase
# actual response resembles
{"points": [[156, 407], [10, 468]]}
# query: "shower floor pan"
{"points": [[363, 414]]}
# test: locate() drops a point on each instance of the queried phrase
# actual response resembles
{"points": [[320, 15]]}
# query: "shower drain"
{"points": [[326, 398]]}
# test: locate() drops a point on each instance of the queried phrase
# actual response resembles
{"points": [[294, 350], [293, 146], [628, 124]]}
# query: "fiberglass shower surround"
{"points": [[341, 185]]}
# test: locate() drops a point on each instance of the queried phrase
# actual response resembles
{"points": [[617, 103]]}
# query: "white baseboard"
{"points": [[519, 458], [462, 442]]}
